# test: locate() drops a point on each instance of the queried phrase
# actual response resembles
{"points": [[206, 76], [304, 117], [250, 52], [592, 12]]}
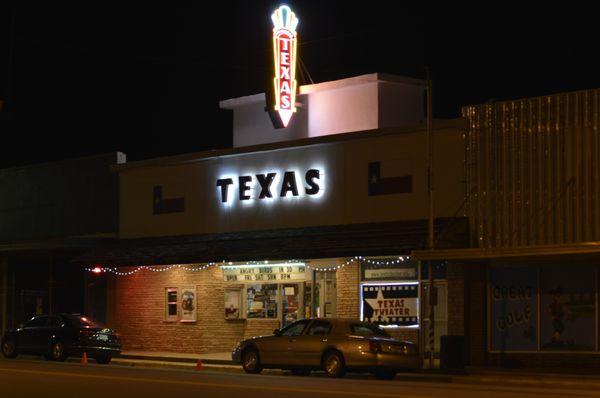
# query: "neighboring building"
{"points": [[49, 214], [533, 201], [317, 219]]}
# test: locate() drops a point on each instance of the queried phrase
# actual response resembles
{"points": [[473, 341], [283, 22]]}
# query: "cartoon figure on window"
{"points": [[187, 301], [558, 311]]}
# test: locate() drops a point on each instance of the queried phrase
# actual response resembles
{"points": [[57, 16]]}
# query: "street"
{"points": [[35, 378]]}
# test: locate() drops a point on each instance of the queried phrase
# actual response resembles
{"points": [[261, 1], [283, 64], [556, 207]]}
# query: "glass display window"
{"points": [[261, 301], [171, 304]]}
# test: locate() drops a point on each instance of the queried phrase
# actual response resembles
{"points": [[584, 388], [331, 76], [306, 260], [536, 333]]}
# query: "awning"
{"points": [[586, 249], [380, 239]]}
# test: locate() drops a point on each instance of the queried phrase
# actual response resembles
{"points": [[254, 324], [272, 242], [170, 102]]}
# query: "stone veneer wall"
{"points": [[348, 279], [136, 309], [137, 312]]}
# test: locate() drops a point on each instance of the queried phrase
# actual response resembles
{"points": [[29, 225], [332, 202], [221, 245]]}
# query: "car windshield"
{"points": [[367, 329], [84, 322]]}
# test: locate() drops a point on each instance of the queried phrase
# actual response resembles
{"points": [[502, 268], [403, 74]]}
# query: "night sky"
{"points": [[146, 79]]}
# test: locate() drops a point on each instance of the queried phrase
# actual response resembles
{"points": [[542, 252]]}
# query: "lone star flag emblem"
{"points": [[379, 185]]}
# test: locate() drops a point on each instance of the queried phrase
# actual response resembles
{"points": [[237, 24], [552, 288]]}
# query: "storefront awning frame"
{"points": [[474, 254]]}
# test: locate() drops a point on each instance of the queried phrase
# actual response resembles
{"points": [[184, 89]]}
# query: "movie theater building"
{"points": [[315, 219], [533, 201]]}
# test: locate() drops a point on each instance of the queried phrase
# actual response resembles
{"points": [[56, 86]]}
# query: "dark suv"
{"points": [[62, 335]]}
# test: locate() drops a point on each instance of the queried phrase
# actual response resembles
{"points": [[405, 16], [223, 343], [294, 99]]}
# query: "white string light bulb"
{"points": [[198, 267]]}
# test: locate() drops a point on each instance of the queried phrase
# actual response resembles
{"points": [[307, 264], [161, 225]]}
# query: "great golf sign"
{"points": [[285, 41]]}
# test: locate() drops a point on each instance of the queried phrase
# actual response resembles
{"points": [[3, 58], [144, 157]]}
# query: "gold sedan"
{"points": [[333, 345]]}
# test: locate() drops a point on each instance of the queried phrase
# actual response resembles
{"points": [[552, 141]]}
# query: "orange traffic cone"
{"points": [[199, 364], [84, 358]]}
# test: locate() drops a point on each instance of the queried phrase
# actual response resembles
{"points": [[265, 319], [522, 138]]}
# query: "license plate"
{"points": [[102, 337]]}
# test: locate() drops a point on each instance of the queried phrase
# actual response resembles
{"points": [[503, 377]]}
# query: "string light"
{"points": [[156, 268], [97, 269], [398, 260]]}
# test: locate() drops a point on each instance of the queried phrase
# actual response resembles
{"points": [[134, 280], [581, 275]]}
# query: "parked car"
{"points": [[60, 336], [333, 345]]}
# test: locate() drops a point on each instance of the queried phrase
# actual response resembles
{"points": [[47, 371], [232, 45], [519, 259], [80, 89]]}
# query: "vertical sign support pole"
{"points": [[4, 292], [430, 235]]}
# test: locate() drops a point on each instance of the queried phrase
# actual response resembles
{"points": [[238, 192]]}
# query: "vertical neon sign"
{"points": [[284, 50]]}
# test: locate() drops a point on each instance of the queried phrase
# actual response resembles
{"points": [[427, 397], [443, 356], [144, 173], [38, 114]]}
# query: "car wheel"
{"points": [[384, 374], [301, 372], [57, 351], [104, 360], [333, 364], [251, 361], [9, 349]]}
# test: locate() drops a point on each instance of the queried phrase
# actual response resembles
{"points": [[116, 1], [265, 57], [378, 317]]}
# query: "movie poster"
{"points": [[568, 308], [233, 303], [390, 304], [513, 295], [188, 304]]}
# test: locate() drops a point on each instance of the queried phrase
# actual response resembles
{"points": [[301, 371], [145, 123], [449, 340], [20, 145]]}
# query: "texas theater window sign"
{"points": [[284, 50]]}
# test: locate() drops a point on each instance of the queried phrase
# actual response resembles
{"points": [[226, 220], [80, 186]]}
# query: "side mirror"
{"points": [[276, 332]]}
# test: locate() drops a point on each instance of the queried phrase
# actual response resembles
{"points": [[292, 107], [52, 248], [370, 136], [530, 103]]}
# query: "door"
{"points": [[308, 348], [325, 292], [278, 350], [291, 303], [30, 336]]}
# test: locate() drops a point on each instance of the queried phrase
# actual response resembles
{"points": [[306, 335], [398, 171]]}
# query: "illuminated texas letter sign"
{"points": [[275, 184], [284, 50]]}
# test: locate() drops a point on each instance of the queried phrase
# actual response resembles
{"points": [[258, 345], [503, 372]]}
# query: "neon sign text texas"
{"points": [[284, 50]]}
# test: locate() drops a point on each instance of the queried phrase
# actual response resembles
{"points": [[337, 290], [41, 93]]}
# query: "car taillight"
{"points": [[374, 346], [408, 349]]}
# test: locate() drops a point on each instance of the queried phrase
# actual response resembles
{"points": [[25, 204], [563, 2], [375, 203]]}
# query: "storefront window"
{"points": [[568, 308], [565, 296], [261, 301], [171, 304], [514, 315]]}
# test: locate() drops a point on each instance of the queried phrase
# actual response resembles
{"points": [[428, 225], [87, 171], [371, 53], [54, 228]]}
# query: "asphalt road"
{"points": [[27, 378]]}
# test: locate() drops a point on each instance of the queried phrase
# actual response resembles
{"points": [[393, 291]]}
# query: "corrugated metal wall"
{"points": [[533, 174]]}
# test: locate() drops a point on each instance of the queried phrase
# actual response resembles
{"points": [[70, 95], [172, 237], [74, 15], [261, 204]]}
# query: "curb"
{"points": [[174, 365], [540, 381], [534, 382], [232, 368], [176, 359]]}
